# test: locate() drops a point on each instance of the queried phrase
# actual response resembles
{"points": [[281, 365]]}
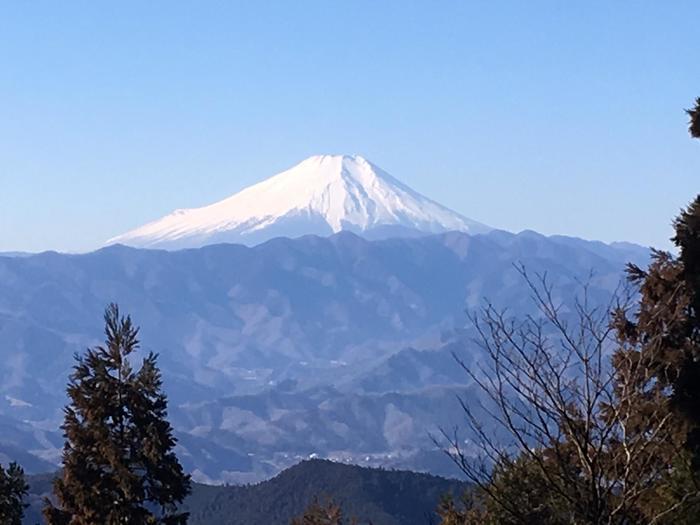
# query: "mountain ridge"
{"points": [[289, 348]]}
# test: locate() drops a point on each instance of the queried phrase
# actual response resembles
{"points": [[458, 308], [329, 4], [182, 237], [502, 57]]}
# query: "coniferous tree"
{"points": [[118, 461], [13, 488], [667, 323], [662, 339]]}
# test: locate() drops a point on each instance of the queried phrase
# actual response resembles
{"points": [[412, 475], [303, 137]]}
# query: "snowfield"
{"points": [[321, 195]]}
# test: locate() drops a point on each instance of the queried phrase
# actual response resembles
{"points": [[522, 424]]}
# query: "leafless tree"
{"points": [[592, 429]]}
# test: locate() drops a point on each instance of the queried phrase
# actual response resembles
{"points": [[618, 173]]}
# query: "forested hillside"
{"points": [[385, 497]]}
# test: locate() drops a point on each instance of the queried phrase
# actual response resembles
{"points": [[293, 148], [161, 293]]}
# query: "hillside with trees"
{"points": [[386, 497]]}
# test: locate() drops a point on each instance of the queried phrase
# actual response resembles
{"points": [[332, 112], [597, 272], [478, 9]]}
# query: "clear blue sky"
{"points": [[561, 117]]}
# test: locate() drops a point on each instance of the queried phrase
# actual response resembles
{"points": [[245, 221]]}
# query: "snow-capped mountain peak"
{"points": [[321, 195]]}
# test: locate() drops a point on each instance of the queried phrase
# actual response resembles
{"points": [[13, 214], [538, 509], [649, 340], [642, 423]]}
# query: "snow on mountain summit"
{"points": [[321, 195]]}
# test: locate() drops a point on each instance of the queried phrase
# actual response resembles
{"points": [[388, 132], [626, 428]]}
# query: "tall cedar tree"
{"points": [[13, 488], [667, 323], [118, 461], [663, 339]]}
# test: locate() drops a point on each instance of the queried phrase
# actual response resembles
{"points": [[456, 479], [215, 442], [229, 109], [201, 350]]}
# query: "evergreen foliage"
{"points": [[118, 461], [13, 489], [663, 339], [694, 114]]}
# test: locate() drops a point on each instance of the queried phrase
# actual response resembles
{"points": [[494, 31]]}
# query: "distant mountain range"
{"points": [[321, 195], [335, 347], [383, 497]]}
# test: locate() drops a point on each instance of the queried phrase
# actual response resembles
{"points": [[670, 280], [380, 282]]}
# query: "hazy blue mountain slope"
{"points": [[276, 328]]}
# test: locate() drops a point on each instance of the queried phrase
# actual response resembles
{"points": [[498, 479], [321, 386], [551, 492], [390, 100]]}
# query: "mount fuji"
{"points": [[321, 195]]}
